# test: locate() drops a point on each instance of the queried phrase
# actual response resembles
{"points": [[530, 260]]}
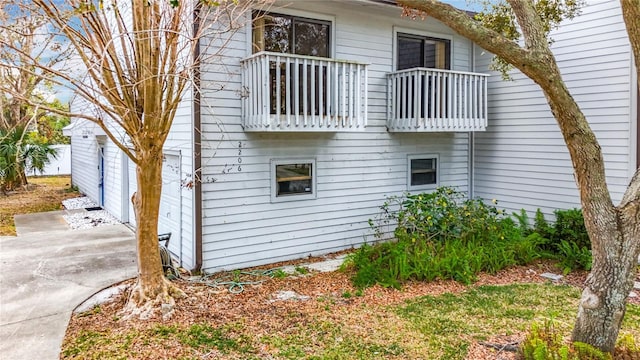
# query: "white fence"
{"points": [[60, 165]]}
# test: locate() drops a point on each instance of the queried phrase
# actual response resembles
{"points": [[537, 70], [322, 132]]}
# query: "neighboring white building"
{"points": [[296, 152], [522, 159]]}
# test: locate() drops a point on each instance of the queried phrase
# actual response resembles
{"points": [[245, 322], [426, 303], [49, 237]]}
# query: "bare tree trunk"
{"points": [[152, 287], [603, 303]]}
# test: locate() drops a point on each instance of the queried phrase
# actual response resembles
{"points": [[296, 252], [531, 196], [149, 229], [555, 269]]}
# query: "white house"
{"points": [[317, 111], [521, 159]]}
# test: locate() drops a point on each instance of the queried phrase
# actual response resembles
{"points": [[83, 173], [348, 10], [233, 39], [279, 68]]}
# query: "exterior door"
{"points": [[133, 186]]}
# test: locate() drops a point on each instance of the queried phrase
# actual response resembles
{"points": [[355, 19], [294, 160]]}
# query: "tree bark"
{"points": [[613, 231], [152, 288], [603, 303]]}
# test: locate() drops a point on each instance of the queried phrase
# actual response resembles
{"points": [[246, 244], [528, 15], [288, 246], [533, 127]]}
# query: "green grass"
{"points": [[320, 340], [46, 194], [196, 341], [450, 322], [429, 327]]}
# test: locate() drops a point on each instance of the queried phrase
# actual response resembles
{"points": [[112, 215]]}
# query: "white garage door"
{"points": [[133, 186], [169, 218]]}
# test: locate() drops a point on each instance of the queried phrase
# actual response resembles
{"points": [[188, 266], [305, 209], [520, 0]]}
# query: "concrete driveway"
{"points": [[47, 271]]}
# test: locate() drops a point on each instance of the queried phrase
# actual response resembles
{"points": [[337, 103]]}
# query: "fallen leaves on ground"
{"points": [[336, 311]]}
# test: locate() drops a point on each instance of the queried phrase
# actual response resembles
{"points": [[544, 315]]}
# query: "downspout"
{"points": [[472, 134], [197, 146]]}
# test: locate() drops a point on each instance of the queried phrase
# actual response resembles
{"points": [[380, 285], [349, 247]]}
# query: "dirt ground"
{"points": [[218, 307], [42, 194]]}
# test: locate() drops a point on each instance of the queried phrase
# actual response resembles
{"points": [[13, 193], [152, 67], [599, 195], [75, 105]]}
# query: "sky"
{"points": [[464, 4]]}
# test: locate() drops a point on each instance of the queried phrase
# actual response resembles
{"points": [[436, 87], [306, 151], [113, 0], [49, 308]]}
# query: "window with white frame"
{"points": [[422, 172], [293, 179], [416, 51], [290, 34]]}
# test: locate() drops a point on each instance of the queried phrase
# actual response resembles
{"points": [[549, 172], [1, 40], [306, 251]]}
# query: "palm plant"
{"points": [[19, 154]]}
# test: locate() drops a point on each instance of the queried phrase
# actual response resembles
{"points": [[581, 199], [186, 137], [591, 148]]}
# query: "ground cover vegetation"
{"points": [[444, 235], [43, 194], [442, 319]]}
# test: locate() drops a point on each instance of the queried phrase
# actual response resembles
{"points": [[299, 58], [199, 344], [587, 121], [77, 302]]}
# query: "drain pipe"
{"points": [[197, 147]]}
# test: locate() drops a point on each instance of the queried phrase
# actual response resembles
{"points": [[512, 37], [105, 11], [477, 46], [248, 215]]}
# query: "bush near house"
{"points": [[566, 240], [444, 235]]}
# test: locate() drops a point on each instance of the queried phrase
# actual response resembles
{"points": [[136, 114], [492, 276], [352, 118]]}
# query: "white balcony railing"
{"points": [[284, 92], [423, 99]]}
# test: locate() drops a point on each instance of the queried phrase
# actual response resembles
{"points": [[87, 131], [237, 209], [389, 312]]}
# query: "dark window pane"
{"points": [[430, 54], [410, 52], [277, 33], [416, 51], [294, 179], [423, 172], [311, 38]]}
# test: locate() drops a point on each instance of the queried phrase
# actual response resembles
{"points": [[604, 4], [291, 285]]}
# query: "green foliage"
{"points": [[50, 125], [572, 256], [20, 153], [567, 239], [541, 226], [543, 342], [442, 235], [569, 226], [499, 16], [279, 274]]}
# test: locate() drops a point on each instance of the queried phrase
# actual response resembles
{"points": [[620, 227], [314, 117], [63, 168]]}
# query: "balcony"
{"points": [[285, 92], [432, 100]]}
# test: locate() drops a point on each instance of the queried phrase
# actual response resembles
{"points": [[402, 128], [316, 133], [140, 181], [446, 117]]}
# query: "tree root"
{"points": [[144, 302]]}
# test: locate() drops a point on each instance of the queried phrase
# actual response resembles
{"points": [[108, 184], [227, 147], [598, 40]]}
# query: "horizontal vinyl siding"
{"points": [[521, 159], [84, 165], [180, 141], [355, 171]]}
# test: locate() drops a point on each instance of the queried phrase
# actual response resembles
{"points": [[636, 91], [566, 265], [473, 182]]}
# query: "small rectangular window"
{"points": [[422, 172], [293, 179]]}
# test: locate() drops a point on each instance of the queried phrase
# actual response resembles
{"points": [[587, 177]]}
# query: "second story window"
{"points": [[290, 34], [421, 51]]}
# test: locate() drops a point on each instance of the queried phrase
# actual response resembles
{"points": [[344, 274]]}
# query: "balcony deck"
{"points": [[285, 92], [432, 100]]}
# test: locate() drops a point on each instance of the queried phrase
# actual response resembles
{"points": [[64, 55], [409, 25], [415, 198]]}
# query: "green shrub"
{"points": [[542, 227], [567, 240], [543, 342], [569, 226], [573, 257], [442, 235]]}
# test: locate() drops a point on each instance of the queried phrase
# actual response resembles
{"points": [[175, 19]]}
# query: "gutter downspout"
{"points": [[197, 147], [472, 167]]}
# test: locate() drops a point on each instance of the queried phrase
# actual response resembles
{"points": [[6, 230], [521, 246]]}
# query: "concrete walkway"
{"points": [[48, 270]]}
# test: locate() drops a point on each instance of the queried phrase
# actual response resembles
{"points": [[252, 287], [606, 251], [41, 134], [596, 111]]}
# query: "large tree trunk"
{"points": [[152, 287], [613, 230], [603, 303]]}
